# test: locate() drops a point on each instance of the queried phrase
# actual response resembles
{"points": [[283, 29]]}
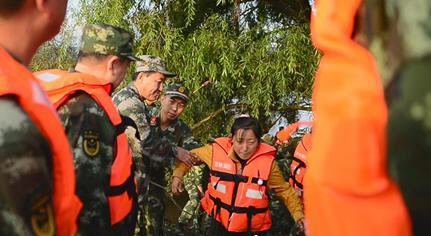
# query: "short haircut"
{"points": [[136, 74], [246, 123], [97, 56], [10, 7]]}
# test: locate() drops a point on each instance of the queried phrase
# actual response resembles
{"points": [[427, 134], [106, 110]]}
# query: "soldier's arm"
{"points": [[149, 143], [283, 190], [188, 141], [26, 173], [204, 153]]}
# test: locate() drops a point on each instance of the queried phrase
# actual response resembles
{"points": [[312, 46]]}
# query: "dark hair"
{"points": [[9, 7], [247, 123], [136, 74], [97, 56]]}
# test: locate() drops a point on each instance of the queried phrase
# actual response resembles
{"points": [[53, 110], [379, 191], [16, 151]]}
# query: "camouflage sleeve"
{"points": [[132, 107], [25, 174], [188, 140], [151, 143], [92, 137]]}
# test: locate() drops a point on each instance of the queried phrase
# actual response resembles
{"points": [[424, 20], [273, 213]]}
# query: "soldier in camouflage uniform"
{"points": [[26, 151], [178, 133], [152, 152], [85, 121]]}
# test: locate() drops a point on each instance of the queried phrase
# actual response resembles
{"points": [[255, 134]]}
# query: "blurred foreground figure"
{"points": [[347, 187], [37, 180], [405, 58]]}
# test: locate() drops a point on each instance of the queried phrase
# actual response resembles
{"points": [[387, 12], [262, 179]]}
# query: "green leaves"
{"points": [[262, 64]]}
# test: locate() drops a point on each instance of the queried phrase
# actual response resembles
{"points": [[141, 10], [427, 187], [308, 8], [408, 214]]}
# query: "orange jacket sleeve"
{"points": [[204, 153], [283, 190], [347, 190]]}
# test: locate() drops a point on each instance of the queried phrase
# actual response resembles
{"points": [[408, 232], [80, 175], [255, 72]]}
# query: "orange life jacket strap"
{"points": [[301, 164], [128, 186], [250, 211], [126, 122]]}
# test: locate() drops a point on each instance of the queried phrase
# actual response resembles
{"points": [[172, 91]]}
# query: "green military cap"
{"points": [[148, 63], [107, 40], [177, 90]]}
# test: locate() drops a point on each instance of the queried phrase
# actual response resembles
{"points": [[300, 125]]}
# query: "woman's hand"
{"points": [[177, 185]]}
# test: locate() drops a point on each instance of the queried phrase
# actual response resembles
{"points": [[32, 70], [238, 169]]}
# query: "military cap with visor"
{"points": [[177, 91], [150, 63], [106, 39]]}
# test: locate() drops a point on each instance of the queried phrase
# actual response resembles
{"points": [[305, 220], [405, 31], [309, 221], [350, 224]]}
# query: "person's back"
{"points": [[37, 178], [102, 159]]}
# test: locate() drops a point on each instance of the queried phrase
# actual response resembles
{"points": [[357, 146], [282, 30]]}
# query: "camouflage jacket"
{"points": [[151, 149], [25, 173], [86, 122], [180, 134]]}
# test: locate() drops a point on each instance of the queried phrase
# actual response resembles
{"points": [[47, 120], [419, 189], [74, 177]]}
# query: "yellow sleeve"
{"points": [[204, 153], [284, 190]]}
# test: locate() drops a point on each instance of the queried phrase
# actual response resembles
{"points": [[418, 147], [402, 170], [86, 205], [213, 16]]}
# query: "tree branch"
{"points": [[232, 106]]}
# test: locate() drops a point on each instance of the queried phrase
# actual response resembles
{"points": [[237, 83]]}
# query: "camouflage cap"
{"points": [[177, 90], [107, 40], [149, 63]]}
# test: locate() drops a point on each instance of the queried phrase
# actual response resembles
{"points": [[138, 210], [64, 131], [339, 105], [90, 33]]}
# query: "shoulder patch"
{"points": [[91, 143]]}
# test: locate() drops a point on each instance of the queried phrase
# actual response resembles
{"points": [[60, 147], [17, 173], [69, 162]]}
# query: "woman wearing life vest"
{"points": [[242, 172]]}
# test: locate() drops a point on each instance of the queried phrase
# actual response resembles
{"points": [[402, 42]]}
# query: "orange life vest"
{"points": [[284, 135], [298, 165], [239, 201], [61, 86], [16, 80], [347, 189]]}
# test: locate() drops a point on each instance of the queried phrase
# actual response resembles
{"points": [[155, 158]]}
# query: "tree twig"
{"points": [[232, 106]]}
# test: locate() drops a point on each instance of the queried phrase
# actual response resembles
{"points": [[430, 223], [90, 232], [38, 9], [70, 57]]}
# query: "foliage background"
{"points": [[236, 56], [252, 57]]}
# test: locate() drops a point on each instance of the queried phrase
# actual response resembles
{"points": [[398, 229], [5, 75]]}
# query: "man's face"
{"points": [[150, 85], [172, 107]]}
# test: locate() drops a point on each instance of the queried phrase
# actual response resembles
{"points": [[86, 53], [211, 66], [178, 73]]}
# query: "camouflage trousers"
{"points": [[152, 208], [150, 214], [193, 185]]}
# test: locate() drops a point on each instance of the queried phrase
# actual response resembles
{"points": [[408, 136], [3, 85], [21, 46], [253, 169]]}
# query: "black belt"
{"points": [[238, 178]]}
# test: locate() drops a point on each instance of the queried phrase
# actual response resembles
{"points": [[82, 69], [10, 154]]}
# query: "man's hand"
{"points": [[187, 157], [177, 185]]}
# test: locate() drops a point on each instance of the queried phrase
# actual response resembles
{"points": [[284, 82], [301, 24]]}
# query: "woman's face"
{"points": [[245, 143]]}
